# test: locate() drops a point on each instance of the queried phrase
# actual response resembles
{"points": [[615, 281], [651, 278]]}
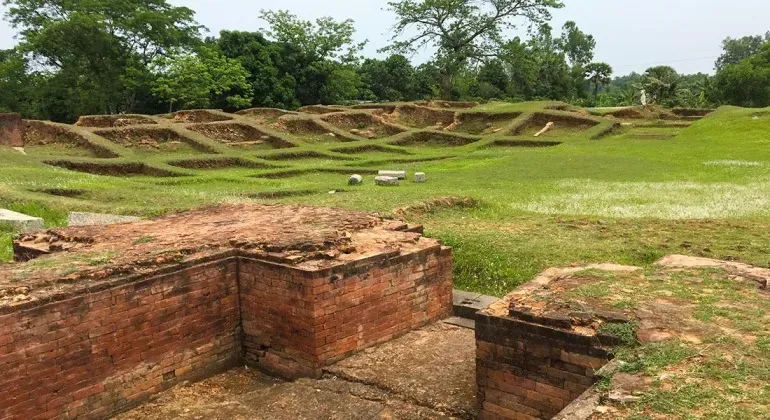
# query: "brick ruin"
{"points": [[536, 356], [11, 130], [105, 317]]}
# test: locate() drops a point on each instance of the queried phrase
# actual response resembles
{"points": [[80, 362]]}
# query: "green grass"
{"points": [[704, 192]]}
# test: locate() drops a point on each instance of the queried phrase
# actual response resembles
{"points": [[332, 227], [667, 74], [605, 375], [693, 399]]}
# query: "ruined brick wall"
{"points": [[92, 353], [527, 370], [102, 351], [10, 130], [295, 323]]}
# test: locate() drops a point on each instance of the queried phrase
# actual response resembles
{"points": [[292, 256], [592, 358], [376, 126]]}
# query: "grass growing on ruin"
{"points": [[618, 198], [716, 364]]}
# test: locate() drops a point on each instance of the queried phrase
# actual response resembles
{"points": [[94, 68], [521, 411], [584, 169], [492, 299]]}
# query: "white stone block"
{"points": [[355, 180], [420, 178], [20, 221], [394, 174], [386, 180]]}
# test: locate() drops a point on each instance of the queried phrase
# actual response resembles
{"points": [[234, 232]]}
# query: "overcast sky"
{"points": [[630, 35]]}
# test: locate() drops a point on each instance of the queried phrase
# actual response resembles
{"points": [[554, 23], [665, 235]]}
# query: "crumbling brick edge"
{"points": [[105, 347]]}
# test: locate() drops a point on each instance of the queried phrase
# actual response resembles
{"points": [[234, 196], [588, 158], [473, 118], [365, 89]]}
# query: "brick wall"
{"points": [[297, 322], [104, 351], [528, 371], [92, 353], [10, 130]]}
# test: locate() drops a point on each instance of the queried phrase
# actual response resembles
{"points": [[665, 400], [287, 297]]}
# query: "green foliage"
{"points": [[194, 81], [625, 331], [325, 39], [747, 83], [462, 31], [101, 50], [578, 45], [599, 74], [739, 49]]}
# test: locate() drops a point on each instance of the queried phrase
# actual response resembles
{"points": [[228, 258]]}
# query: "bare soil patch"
{"points": [[240, 136], [449, 104], [265, 115], [363, 125], [421, 116], [39, 133], [692, 112], [320, 109], [107, 121], [198, 116], [481, 123], [309, 131], [153, 140], [563, 124], [435, 139]]}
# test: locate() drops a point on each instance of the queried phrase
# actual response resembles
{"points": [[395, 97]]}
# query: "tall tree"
{"points": [[577, 45], [747, 83], [392, 79], [324, 39], [461, 31], [738, 49], [102, 47], [600, 74], [661, 84], [198, 80]]}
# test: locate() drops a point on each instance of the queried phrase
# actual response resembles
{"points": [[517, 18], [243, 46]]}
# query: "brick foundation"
{"points": [[10, 130], [91, 353], [527, 371]]}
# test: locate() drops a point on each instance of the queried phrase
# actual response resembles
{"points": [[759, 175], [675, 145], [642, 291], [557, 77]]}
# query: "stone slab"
{"points": [[394, 174], [98, 219], [466, 304], [386, 180], [20, 221], [425, 374], [461, 322]]}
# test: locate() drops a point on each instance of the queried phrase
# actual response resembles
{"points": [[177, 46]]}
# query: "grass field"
{"points": [[631, 196]]}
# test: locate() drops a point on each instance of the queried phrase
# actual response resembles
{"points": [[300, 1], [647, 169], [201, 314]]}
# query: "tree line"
{"points": [[148, 56]]}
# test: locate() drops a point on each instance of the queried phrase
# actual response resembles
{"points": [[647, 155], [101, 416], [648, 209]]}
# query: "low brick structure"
{"points": [[11, 130], [535, 356], [121, 312]]}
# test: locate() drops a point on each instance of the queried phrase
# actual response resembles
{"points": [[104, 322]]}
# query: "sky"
{"points": [[630, 35]]}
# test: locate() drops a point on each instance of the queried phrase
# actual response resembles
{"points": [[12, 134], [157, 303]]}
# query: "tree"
{"points": [[325, 39], [102, 48], [461, 31], [661, 84], [738, 49], [747, 83], [392, 79], [600, 74], [195, 81], [577, 45], [271, 85]]}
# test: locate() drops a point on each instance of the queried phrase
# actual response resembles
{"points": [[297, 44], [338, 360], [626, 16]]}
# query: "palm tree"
{"points": [[600, 74]]}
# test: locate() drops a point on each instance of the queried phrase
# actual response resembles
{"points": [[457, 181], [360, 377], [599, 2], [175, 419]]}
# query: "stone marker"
{"points": [[93, 219], [394, 174], [355, 180], [10, 130], [386, 180], [419, 177], [20, 221]]}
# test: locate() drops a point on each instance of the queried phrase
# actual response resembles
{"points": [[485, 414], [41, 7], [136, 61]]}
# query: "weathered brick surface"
{"points": [[10, 130], [99, 352], [105, 351], [526, 371], [295, 323]]}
